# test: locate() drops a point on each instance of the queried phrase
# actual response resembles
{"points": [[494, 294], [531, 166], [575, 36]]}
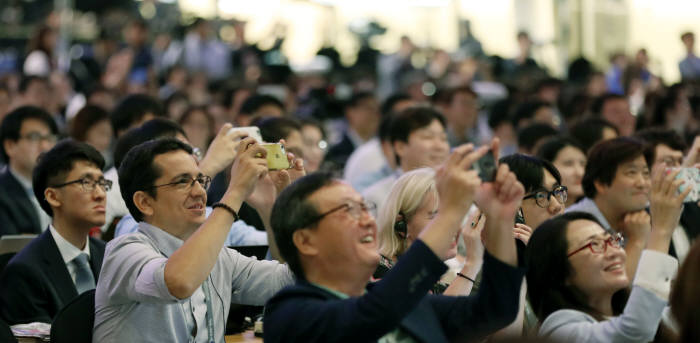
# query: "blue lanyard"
{"points": [[209, 316]]}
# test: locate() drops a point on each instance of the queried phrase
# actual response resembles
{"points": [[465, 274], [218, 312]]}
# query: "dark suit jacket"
{"points": [[307, 313], [36, 284], [17, 213], [338, 154], [690, 221]]}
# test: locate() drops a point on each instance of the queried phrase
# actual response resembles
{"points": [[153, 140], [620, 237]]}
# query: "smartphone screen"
{"points": [[486, 166], [691, 178]]}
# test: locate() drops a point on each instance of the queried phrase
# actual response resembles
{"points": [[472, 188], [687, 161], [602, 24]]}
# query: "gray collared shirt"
{"points": [[588, 205], [133, 304]]}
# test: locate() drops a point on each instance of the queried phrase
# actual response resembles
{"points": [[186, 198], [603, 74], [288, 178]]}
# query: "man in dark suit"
{"points": [[63, 261], [25, 133], [363, 116], [326, 234]]}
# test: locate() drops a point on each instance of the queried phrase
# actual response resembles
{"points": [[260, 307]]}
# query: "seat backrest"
{"points": [[74, 322], [6, 333], [14, 243], [5, 259]]}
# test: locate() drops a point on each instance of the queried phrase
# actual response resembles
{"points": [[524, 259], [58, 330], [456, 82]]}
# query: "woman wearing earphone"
{"points": [[410, 206]]}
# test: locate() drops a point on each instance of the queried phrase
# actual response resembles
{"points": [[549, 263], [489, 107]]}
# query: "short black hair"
{"points": [[387, 106], [137, 171], [527, 110], [132, 109], [292, 211], [530, 170], [152, 129], [533, 133], [12, 124], [550, 149], [28, 79], [272, 129], [599, 102], [445, 96], [548, 82], [500, 113], [590, 131], [549, 269], [657, 136], [412, 119], [605, 157], [256, 101], [54, 166], [358, 97]]}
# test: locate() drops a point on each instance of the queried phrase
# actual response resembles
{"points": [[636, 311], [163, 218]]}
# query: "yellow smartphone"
{"points": [[276, 156]]}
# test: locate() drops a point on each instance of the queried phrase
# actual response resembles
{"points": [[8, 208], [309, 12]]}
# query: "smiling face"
{"points": [[176, 208], [597, 275], [629, 190], [571, 163], [426, 147], [340, 242]]}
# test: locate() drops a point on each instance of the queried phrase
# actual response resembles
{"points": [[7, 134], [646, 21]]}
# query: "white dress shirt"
{"points": [[69, 251]]}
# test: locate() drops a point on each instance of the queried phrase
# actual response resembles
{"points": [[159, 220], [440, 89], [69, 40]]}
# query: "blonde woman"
{"points": [[411, 204]]}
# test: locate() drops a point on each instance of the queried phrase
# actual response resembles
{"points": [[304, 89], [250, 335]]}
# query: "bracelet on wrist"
{"points": [[466, 277], [227, 208]]}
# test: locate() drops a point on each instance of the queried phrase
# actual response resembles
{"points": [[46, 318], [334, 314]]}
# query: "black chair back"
{"points": [[6, 333], [4, 259], [74, 322]]}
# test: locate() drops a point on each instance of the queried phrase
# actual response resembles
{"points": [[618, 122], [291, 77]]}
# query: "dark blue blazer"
{"points": [[307, 313], [36, 283], [17, 213]]}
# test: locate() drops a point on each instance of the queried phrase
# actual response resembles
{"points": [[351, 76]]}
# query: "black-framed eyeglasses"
{"points": [[600, 246], [36, 137], [355, 210], [89, 184], [542, 196], [187, 182]]}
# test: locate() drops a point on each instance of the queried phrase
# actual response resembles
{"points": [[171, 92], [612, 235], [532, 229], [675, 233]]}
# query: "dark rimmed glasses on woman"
{"points": [[542, 196]]}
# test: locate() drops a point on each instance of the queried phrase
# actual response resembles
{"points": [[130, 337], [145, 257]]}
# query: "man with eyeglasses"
{"points": [[173, 280], [25, 133], [544, 195], [62, 262], [325, 231], [667, 146]]}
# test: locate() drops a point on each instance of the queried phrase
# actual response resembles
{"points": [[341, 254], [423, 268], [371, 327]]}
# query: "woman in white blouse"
{"points": [[577, 282]]}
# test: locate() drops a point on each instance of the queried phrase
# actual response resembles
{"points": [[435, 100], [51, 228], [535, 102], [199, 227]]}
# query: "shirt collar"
{"points": [[68, 251], [27, 184], [165, 242], [588, 203]]}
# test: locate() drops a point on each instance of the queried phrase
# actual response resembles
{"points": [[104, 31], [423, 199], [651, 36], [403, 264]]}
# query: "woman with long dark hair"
{"points": [[577, 281]]}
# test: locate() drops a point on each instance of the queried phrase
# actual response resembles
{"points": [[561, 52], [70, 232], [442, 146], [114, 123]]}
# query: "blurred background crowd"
{"points": [[518, 70]]}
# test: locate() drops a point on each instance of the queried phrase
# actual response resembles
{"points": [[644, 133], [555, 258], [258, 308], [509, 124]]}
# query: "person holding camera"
{"points": [[173, 280], [325, 232]]}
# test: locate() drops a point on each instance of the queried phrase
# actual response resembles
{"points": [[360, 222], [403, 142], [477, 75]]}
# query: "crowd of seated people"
{"points": [[388, 224]]}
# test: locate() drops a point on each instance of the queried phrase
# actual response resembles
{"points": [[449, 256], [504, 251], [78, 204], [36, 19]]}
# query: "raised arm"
{"points": [[189, 266]]}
